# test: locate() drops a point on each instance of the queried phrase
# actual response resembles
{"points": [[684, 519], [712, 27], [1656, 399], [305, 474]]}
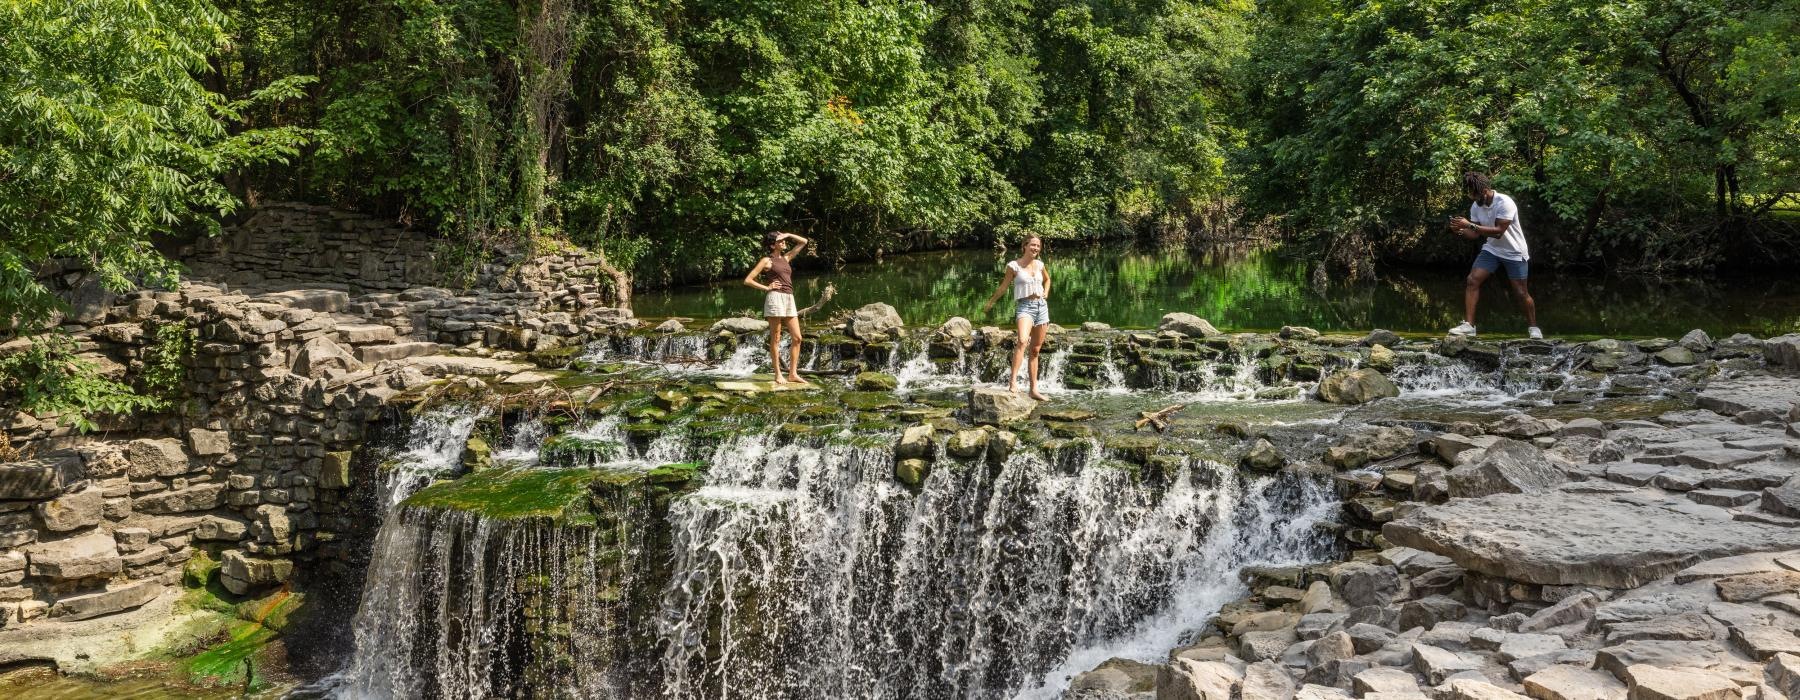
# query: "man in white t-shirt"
{"points": [[1494, 217]]}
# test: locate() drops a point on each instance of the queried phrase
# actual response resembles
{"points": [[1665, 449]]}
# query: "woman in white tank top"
{"points": [[1030, 282]]}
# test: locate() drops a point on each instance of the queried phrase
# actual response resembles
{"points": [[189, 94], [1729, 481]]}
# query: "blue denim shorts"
{"points": [[1515, 269], [1038, 310]]}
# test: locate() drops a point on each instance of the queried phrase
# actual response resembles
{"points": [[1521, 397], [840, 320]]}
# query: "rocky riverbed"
{"points": [[1573, 559]]}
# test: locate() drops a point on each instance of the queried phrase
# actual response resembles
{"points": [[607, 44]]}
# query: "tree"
{"points": [[107, 137]]}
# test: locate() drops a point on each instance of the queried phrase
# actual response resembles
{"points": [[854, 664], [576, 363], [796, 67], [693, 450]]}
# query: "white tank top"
{"points": [[1027, 282]]}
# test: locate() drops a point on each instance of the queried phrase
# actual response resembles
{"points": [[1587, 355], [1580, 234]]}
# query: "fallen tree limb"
{"points": [[1157, 419], [824, 297]]}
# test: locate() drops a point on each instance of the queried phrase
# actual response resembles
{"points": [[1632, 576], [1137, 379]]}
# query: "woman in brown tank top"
{"points": [[778, 303]]}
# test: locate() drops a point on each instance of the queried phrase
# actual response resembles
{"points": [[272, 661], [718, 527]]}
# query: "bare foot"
{"points": [[780, 380], [1012, 388], [1038, 396], [795, 379]]}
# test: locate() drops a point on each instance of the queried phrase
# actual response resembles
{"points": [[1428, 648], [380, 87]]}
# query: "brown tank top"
{"points": [[781, 274]]}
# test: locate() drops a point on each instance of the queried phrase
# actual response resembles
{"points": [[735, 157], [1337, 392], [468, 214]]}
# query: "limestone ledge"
{"points": [[1533, 557]]}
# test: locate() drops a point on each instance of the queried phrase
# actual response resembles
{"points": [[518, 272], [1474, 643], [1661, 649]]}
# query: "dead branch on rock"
{"points": [[1157, 419], [824, 297]]}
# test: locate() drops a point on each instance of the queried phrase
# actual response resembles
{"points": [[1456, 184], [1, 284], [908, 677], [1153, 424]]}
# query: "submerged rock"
{"points": [[1356, 387]]}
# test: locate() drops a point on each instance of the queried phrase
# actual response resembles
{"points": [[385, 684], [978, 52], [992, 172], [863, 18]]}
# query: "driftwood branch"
{"points": [[825, 297], [1157, 419]]}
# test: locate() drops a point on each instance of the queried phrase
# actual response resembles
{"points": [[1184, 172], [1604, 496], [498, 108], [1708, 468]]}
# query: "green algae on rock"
{"points": [[559, 495]]}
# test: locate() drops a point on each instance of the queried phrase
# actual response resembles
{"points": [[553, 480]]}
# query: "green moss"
{"points": [[231, 662], [679, 472], [513, 494], [869, 400], [199, 570], [573, 450], [876, 381]]}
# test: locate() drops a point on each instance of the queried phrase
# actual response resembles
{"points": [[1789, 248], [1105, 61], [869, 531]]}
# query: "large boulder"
{"points": [[1783, 350], [1263, 457], [996, 406], [321, 356], [1509, 466], [874, 322], [957, 328], [1356, 387], [1117, 678], [1187, 324], [741, 325]]}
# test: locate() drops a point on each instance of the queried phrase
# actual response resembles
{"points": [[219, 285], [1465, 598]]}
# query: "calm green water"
{"points": [[1260, 290]]}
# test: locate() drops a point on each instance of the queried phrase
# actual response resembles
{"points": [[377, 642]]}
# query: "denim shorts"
{"points": [[1038, 310], [1515, 269]]}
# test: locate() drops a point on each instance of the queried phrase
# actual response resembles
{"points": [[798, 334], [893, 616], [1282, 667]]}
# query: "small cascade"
{"points": [[744, 360], [522, 448], [434, 443], [1050, 370]]}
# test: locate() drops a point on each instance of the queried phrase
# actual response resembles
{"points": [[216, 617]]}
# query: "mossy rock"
{"points": [[477, 455], [876, 381], [648, 413], [555, 358], [912, 472], [569, 450], [1137, 448], [559, 495], [868, 400], [1067, 415], [1070, 430], [794, 430], [199, 570], [277, 610], [1280, 393], [676, 473], [672, 400]]}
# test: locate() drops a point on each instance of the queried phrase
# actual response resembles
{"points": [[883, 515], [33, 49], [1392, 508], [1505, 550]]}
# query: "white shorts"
{"points": [[779, 305]]}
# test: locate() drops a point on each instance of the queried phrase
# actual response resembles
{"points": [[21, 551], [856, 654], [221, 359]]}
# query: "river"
{"points": [[1262, 290]]}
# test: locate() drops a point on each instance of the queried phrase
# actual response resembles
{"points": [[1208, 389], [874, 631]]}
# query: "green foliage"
{"points": [[48, 378], [165, 361], [1653, 133], [108, 137]]}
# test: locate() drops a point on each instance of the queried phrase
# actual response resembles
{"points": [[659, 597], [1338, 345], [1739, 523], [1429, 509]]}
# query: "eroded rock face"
{"points": [[1356, 387]]}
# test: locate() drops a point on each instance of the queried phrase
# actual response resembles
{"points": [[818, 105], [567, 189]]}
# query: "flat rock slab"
{"points": [[1739, 394], [1560, 538], [1745, 588], [442, 365], [1563, 682]]}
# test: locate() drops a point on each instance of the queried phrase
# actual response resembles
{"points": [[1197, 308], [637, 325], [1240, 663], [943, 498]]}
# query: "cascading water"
{"points": [[806, 571]]}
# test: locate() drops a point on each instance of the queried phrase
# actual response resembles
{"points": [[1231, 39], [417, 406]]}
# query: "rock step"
{"points": [[371, 354]]}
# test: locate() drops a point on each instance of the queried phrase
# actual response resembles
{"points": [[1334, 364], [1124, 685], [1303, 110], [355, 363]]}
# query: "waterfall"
{"points": [[806, 571], [803, 569]]}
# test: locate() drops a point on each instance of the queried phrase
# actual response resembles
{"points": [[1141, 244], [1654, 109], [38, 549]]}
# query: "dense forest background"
{"points": [[1639, 135]]}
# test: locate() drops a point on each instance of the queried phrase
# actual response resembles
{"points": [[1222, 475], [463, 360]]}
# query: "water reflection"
{"points": [[1243, 289]]}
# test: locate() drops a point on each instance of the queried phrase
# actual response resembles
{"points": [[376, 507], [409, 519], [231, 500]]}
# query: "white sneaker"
{"points": [[1465, 329], [1535, 333]]}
